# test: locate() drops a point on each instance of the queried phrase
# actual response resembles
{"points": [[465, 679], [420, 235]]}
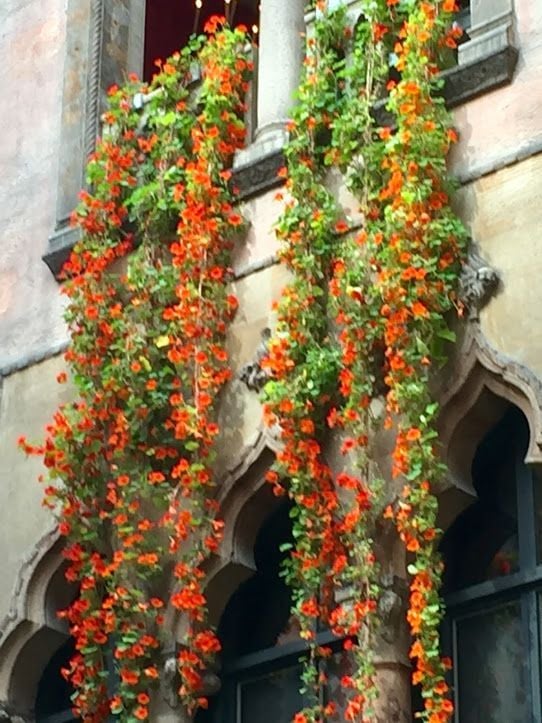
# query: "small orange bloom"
{"points": [[413, 434]]}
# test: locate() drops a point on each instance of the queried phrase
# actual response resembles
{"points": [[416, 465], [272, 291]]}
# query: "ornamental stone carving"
{"points": [[477, 284], [169, 682], [7, 715], [391, 607], [252, 374]]}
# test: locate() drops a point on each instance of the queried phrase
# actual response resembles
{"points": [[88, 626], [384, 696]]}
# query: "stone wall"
{"points": [[504, 214], [27, 403], [32, 35], [505, 124]]}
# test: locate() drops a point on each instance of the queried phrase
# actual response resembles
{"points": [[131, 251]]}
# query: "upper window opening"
{"points": [[170, 23]]}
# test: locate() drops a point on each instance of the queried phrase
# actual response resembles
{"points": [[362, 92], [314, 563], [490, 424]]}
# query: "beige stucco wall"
{"points": [[31, 58], [27, 403], [506, 122], [504, 214]]}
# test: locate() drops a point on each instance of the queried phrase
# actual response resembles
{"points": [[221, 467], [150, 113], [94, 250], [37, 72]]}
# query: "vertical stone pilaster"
{"points": [[279, 65], [393, 704]]}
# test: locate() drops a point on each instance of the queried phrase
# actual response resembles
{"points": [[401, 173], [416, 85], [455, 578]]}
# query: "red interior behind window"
{"points": [[169, 24]]}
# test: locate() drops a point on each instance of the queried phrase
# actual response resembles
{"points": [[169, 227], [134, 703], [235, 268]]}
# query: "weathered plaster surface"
{"points": [[506, 121], [259, 242], [28, 401], [240, 414], [504, 213], [31, 58]]}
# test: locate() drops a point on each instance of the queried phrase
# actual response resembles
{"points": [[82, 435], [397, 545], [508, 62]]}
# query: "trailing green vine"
{"points": [[302, 359], [131, 460], [393, 284]]}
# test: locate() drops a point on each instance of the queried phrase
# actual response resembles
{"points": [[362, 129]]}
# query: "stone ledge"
{"points": [[61, 243], [259, 174], [466, 82]]}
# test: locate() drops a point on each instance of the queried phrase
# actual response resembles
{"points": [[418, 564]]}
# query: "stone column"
{"points": [[279, 67]]}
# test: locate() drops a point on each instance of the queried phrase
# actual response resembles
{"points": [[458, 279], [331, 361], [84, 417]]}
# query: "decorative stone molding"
{"points": [[169, 681], [477, 284], [474, 381], [26, 584], [252, 374], [255, 173], [245, 500], [480, 75], [491, 30]]}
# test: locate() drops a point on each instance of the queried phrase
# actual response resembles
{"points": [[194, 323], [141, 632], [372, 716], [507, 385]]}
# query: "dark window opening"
{"points": [[260, 660], [463, 19], [493, 584], [53, 700], [170, 23]]}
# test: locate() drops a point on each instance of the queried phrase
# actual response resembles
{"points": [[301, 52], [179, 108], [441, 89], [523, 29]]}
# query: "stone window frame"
{"points": [[105, 41]]}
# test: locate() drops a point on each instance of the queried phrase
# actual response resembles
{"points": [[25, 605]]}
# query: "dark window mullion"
{"points": [[455, 669], [529, 608], [499, 587], [526, 518]]}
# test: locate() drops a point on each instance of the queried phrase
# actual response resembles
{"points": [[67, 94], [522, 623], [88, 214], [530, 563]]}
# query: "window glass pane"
{"points": [[505, 560], [273, 698], [491, 666]]}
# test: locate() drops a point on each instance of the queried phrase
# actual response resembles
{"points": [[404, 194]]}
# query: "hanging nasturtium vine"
{"points": [[131, 460], [364, 320], [360, 328]]}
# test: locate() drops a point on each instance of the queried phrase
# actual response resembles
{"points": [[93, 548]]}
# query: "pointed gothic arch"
{"points": [[481, 383], [32, 633]]}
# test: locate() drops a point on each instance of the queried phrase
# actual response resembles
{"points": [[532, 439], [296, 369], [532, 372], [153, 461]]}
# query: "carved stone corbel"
{"points": [[477, 284], [252, 374], [7, 715], [391, 607], [169, 681]]}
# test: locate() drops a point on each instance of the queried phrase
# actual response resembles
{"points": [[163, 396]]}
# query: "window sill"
{"points": [[61, 243]]}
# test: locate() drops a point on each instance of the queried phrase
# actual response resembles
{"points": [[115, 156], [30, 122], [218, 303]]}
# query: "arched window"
{"points": [[493, 584], [260, 661]]}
